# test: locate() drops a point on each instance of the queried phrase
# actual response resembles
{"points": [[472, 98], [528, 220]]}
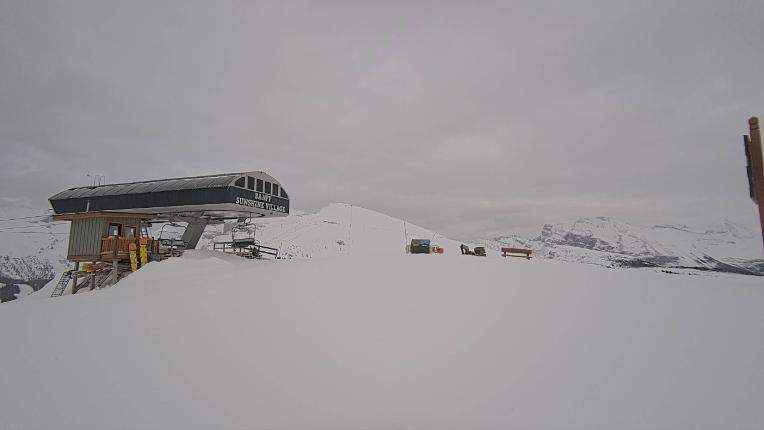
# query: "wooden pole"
{"points": [[74, 278], [114, 272], [757, 168]]}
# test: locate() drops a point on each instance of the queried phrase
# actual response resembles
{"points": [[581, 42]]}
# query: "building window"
{"points": [[240, 182], [267, 187], [275, 189], [250, 183], [128, 231], [115, 229], [283, 193], [260, 185]]}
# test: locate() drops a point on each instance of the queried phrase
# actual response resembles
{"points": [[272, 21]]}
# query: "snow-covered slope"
{"points": [[396, 341], [337, 229], [724, 246]]}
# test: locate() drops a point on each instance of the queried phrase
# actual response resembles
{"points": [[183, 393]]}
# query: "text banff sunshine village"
{"points": [[260, 205]]}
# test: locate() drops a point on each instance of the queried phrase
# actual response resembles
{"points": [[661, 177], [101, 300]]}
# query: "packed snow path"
{"points": [[424, 341]]}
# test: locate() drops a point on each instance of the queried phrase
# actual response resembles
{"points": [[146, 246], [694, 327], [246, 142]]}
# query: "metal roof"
{"points": [[211, 196], [189, 183]]}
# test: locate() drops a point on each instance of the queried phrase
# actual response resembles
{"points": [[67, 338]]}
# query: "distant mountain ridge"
{"points": [[723, 247]]}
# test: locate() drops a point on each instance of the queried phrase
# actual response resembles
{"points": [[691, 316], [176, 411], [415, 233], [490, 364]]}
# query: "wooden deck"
{"points": [[118, 247]]}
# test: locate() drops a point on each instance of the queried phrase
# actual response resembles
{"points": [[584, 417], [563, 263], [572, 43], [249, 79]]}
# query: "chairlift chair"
{"points": [[249, 243]]}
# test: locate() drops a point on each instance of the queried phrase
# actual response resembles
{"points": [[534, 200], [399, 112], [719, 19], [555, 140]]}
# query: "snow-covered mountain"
{"points": [[724, 246], [32, 250]]}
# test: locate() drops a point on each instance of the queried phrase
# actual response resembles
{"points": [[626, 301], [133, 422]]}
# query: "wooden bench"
{"points": [[516, 252]]}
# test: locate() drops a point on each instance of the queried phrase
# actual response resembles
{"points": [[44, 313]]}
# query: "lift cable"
{"points": [[30, 226], [31, 232], [25, 217]]}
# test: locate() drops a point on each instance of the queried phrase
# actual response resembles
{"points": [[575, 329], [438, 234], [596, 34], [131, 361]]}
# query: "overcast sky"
{"points": [[472, 119]]}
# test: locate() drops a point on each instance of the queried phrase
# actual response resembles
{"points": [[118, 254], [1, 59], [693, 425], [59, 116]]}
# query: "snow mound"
{"points": [[337, 229], [399, 341]]}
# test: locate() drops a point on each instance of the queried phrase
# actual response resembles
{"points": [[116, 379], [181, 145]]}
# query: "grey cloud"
{"points": [[467, 118]]}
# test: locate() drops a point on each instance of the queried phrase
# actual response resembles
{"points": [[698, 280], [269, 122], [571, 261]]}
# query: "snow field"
{"points": [[413, 341]]}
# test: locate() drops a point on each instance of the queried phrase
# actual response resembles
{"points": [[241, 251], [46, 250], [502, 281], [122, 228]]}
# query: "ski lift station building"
{"points": [[103, 212]]}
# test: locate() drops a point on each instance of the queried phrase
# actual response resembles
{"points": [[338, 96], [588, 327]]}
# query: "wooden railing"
{"points": [[118, 247]]}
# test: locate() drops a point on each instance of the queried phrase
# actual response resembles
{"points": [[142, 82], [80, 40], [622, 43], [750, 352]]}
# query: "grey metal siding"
{"points": [[204, 196], [85, 236]]}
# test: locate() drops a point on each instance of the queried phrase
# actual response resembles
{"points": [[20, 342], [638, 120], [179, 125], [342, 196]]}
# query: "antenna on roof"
{"points": [[97, 180]]}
